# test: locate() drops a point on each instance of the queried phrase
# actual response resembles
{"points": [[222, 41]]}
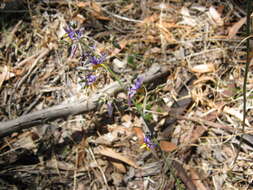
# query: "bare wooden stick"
{"points": [[45, 115]]}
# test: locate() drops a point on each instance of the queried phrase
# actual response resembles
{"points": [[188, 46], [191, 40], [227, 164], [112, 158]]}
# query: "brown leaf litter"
{"points": [[195, 109]]}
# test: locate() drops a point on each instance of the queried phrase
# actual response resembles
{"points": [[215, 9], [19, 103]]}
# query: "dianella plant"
{"points": [[84, 49]]}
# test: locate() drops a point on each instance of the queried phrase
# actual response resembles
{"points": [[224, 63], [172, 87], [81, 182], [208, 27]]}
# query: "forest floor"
{"points": [[124, 94]]}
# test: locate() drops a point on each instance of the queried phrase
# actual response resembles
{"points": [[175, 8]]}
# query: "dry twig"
{"points": [[43, 116]]}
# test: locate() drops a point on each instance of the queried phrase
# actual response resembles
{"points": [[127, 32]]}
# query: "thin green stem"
{"points": [[113, 74], [245, 79]]}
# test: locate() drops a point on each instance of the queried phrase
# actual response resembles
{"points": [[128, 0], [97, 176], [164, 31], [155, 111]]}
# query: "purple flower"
{"points": [[90, 79], [74, 34], [148, 142], [132, 91], [97, 60]]}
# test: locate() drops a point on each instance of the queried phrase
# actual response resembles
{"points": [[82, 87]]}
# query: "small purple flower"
{"points": [[74, 34], [132, 91], [148, 142], [70, 31], [97, 60], [90, 79], [110, 108]]}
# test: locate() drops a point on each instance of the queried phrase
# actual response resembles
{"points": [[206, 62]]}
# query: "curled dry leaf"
{"points": [[215, 16], [235, 28], [167, 146], [79, 18], [204, 79], [112, 154], [25, 140], [203, 68], [5, 75], [187, 19]]}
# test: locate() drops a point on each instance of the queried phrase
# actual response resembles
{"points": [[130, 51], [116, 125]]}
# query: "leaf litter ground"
{"points": [[194, 111]]}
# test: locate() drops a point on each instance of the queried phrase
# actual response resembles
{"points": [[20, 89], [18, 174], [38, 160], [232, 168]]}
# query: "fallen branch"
{"points": [[64, 110]]}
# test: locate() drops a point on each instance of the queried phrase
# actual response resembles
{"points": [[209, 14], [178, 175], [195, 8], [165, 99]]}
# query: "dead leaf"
{"points": [[126, 8], [204, 79], [5, 75], [96, 10], [106, 139], [119, 166], [126, 118], [99, 16], [150, 169], [117, 178], [83, 4], [167, 146], [139, 133], [215, 16], [229, 90], [236, 114], [122, 44], [187, 19], [203, 68], [196, 134], [148, 20], [118, 156], [95, 6], [235, 28], [197, 180], [113, 136], [79, 18], [62, 165], [25, 140], [119, 65]]}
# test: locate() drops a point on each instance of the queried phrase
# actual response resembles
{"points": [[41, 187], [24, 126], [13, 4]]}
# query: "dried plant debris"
{"points": [[163, 81]]}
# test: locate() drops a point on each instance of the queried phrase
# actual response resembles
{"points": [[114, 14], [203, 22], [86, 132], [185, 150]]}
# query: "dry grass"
{"points": [[205, 59]]}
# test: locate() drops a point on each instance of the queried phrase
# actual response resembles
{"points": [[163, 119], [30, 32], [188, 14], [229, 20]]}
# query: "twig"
{"points": [[100, 169], [121, 17], [43, 53], [45, 115]]}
